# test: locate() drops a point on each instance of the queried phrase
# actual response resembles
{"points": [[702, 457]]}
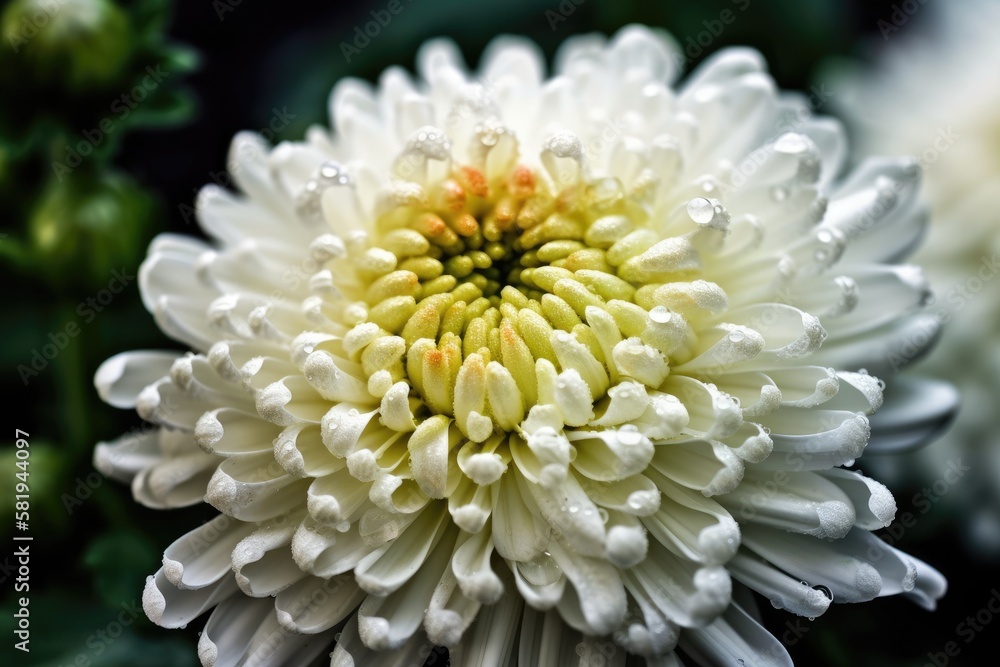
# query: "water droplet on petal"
{"points": [[701, 210], [779, 193], [660, 315], [330, 170], [629, 434]]}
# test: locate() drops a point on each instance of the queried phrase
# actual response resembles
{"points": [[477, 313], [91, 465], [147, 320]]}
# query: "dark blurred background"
{"points": [[206, 70]]}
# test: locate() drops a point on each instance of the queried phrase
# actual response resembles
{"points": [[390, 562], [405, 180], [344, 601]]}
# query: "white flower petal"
{"points": [[387, 569], [687, 594], [230, 629], [491, 639], [253, 488], [352, 652], [844, 571], [120, 379], [125, 457], [170, 607], [518, 530], [312, 605], [916, 411], [799, 502], [735, 636], [783, 591], [389, 622], [202, 557], [693, 527], [263, 562]]}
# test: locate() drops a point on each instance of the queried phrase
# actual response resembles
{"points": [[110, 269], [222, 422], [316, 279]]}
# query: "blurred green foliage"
{"points": [[76, 77], [88, 227], [77, 43]]}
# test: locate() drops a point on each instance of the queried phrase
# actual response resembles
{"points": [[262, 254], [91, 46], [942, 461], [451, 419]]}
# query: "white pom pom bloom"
{"points": [[527, 368]]}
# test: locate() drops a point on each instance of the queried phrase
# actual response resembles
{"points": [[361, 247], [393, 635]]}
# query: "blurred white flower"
{"points": [[523, 366], [935, 95]]}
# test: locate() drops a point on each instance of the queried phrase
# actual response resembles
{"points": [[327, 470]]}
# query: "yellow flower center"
{"points": [[485, 299]]}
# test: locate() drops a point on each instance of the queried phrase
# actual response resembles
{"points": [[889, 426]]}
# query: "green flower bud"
{"points": [[85, 227]]}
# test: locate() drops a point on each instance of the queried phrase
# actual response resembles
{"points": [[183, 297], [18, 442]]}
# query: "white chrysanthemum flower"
{"points": [[955, 134], [522, 366]]}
